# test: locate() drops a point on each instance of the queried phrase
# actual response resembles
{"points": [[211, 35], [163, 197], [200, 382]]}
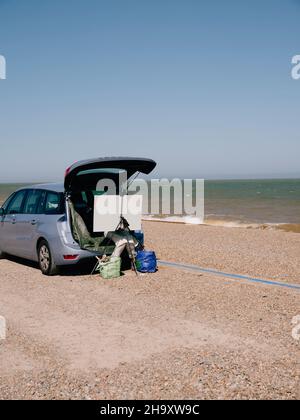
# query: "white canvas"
{"points": [[109, 208], [132, 207]]}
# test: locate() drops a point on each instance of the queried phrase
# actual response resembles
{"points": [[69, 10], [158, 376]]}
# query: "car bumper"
{"points": [[69, 254]]}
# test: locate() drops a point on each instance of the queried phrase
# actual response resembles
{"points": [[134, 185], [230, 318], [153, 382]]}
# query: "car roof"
{"points": [[49, 187]]}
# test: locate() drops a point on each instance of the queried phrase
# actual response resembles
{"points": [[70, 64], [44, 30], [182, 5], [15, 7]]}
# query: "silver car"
{"points": [[36, 222]]}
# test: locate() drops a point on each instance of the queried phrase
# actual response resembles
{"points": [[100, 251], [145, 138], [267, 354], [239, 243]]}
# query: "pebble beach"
{"points": [[173, 334]]}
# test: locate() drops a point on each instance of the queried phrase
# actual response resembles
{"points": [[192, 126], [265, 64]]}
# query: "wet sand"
{"points": [[173, 334]]}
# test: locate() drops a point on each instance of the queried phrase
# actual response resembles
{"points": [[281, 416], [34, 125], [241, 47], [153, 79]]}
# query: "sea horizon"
{"points": [[258, 203]]}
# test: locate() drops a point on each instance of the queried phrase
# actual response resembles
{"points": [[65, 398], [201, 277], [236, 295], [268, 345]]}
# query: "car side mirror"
{"points": [[2, 212]]}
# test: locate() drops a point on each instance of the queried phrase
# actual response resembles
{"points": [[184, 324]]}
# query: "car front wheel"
{"points": [[46, 263]]}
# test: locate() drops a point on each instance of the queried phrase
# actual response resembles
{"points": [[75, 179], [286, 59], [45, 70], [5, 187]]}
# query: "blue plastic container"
{"points": [[146, 262]]}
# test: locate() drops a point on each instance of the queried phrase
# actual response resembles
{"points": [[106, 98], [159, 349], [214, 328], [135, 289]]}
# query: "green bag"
{"points": [[111, 268]]}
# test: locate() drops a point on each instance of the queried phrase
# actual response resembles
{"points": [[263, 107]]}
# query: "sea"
{"points": [[255, 203]]}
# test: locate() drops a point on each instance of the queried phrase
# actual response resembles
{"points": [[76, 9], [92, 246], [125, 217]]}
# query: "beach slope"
{"points": [[173, 334]]}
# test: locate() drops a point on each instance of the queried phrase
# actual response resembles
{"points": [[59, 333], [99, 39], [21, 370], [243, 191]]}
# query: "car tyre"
{"points": [[2, 255], [46, 263]]}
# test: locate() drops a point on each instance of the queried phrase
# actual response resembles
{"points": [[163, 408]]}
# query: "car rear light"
{"points": [[70, 257], [67, 171]]}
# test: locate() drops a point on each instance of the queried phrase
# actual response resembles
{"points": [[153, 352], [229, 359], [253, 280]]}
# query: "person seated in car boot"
{"points": [[122, 240]]}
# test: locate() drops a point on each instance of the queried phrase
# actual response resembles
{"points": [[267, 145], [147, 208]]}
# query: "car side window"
{"points": [[32, 201], [41, 205], [7, 202], [16, 203], [54, 203]]}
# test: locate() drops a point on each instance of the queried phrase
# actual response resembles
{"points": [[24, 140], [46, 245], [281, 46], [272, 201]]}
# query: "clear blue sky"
{"points": [[203, 87]]}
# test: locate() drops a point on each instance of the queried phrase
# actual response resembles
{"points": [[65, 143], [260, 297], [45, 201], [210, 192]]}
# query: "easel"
{"points": [[123, 225]]}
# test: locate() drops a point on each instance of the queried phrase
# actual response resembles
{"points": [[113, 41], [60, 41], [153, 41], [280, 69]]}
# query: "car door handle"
{"points": [[34, 222]]}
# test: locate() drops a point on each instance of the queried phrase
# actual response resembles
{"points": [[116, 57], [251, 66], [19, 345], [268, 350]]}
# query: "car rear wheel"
{"points": [[46, 263]]}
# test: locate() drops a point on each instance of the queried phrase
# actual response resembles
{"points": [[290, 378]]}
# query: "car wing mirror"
{"points": [[2, 212]]}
